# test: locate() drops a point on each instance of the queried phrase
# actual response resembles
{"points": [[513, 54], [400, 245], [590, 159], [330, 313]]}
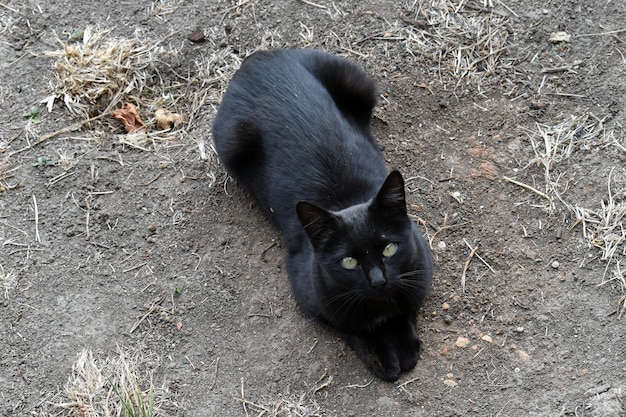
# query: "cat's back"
{"points": [[294, 125]]}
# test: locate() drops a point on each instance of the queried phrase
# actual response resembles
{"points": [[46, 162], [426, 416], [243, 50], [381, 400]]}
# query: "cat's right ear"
{"points": [[391, 196], [318, 223]]}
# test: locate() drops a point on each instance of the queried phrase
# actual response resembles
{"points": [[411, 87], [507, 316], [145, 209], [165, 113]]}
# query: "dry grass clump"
{"points": [[96, 73], [461, 39], [117, 385]]}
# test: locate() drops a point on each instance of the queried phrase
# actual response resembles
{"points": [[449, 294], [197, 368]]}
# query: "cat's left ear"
{"points": [[391, 198]]}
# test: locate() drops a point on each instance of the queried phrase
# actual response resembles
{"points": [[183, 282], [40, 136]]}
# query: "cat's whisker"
{"points": [[414, 273]]}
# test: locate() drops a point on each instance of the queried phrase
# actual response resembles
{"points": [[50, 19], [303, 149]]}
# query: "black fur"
{"points": [[293, 128]]}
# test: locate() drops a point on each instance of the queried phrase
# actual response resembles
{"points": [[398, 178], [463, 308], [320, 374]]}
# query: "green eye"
{"points": [[349, 262], [390, 250]]}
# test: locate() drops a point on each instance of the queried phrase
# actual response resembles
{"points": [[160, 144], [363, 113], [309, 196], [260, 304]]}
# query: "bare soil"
{"points": [[153, 248]]}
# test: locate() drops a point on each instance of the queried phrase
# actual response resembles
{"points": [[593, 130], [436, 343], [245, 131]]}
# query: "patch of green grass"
{"points": [[33, 114]]}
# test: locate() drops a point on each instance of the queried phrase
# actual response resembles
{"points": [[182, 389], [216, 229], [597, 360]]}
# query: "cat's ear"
{"points": [[391, 198], [318, 223]]}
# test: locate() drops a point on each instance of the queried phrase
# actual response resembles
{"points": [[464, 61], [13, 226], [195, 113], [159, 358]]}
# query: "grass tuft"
{"points": [[117, 385], [96, 73]]}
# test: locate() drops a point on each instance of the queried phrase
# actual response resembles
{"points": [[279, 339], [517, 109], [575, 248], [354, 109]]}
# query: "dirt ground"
{"points": [[516, 165]]}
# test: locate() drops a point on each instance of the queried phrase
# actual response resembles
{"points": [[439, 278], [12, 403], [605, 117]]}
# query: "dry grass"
{"points": [[602, 226], [117, 385], [8, 280], [100, 71], [7, 172], [293, 407], [303, 405], [554, 144], [460, 38], [94, 75], [215, 71]]}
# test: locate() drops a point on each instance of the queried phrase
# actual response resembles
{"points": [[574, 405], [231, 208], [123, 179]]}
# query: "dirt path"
{"points": [[134, 256]]}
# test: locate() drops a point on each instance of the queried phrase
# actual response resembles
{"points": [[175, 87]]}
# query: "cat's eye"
{"points": [[349, 262], [390, 250]]}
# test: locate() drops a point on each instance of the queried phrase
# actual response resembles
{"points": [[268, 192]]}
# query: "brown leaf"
{"points": [[166, 120], [129, 115]]}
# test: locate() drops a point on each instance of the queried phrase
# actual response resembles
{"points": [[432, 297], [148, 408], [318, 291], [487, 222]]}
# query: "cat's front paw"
{"points": [[386, 366], [399, 357], [379, 356], [390, 352], [408, 353]]}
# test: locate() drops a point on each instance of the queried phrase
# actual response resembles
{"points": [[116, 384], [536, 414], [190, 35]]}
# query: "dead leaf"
{"points": [[129, 115], [166, 120]]}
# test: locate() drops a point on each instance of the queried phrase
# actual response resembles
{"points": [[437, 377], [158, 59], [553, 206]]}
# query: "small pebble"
{"points": [[487, 339], [447, 319], [445, 306], [197, 36], [450, 383], [462, 342], [555, 264]]}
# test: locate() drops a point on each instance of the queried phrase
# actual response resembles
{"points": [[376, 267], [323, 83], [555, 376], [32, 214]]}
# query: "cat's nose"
{"points": [[376, 278]]}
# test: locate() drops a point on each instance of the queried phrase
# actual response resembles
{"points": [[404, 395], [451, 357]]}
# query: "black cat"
{"points": [[293, 128]]}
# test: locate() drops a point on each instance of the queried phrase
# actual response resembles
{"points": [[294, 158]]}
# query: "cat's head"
{"points": [[370, 256]]}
